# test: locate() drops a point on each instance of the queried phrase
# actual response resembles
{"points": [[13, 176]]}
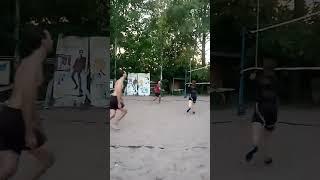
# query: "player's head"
{"points": [[123, 74], [194, 82], [34, 37]]}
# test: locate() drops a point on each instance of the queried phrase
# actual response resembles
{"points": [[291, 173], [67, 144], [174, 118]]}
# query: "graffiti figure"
{"points": [[78, 67]]}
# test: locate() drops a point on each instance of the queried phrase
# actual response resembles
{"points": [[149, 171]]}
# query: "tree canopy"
{"points": [[81, 17], [148, 34], [291, 44]]}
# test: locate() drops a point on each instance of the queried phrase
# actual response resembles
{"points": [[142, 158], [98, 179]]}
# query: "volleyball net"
{"points": [[192, 74], [299, 79]]}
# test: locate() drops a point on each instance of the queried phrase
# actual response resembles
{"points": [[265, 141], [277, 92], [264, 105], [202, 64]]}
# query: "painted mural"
{"points": [[81, 71], [70, 78], [132, 86], [144, 84], [98, 64]]}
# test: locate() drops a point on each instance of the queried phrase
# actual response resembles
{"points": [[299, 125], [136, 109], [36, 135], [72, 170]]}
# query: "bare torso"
{"points": [[26, 68], [118, 88]]}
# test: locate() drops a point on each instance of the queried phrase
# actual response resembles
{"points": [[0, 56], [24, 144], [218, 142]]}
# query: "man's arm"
{"points": [[118, 90], [28, 104]]}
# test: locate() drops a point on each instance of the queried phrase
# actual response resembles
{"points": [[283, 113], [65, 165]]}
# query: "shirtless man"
{"points": [[116, 102], [20, 124]]}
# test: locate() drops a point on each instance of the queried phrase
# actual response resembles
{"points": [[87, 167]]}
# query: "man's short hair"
{"points": [[121, 72], [30, 39]]}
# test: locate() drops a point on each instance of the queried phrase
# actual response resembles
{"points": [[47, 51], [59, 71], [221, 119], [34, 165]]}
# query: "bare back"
{"points": [[118, 88], [28, 74]]}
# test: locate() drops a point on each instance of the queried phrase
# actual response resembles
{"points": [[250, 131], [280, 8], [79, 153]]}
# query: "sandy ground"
{"points": [[78, 139], [295, 148], [157, 141], [161, 141]]}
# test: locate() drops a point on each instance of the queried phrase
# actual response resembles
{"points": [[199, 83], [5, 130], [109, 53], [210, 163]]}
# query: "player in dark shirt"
{"points": [[265, 111], [193, 94]]}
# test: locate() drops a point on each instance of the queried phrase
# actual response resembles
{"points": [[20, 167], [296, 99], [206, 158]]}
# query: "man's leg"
{"points": [[189, 105], [267, 140], [193, 107], [159, 99], [45, 158], [112, 114], [74, 80], [123, 113], [114, 124], [155, 98], [268, 130], [256, 138], [113, 121], [8, 164]]}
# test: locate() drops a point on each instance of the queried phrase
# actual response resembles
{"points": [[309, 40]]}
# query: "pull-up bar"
{"points": [[199, 68], [286, 22], [203, 83], [283, 69]]}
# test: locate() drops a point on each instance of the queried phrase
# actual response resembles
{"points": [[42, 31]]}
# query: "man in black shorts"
{"points": [[20, 124], [265, 111], [192, 97], [116, 102]]}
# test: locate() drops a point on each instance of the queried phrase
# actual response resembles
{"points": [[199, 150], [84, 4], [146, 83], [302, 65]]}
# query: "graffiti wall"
{"points": [[98, 67], [81, 71], [70, 78], [144, 84], [132, 86]]}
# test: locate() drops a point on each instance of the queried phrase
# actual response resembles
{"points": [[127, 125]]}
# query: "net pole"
{"points": [[190, 70], [115, 59], [257, 33], [241, 107], [17, 33], [185, 84]]}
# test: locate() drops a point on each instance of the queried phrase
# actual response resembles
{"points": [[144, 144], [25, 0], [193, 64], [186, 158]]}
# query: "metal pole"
{"points": [[172, 86], [257, 34], [161, 73], [241, 108], [17, 29], [190, 71], [185, 84], [115, 60]]}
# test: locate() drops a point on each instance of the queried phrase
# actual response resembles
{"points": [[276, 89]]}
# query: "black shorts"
{"points": [[114, 103], [266, 114], [12, 131], [157, 94], [193, 99]]}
